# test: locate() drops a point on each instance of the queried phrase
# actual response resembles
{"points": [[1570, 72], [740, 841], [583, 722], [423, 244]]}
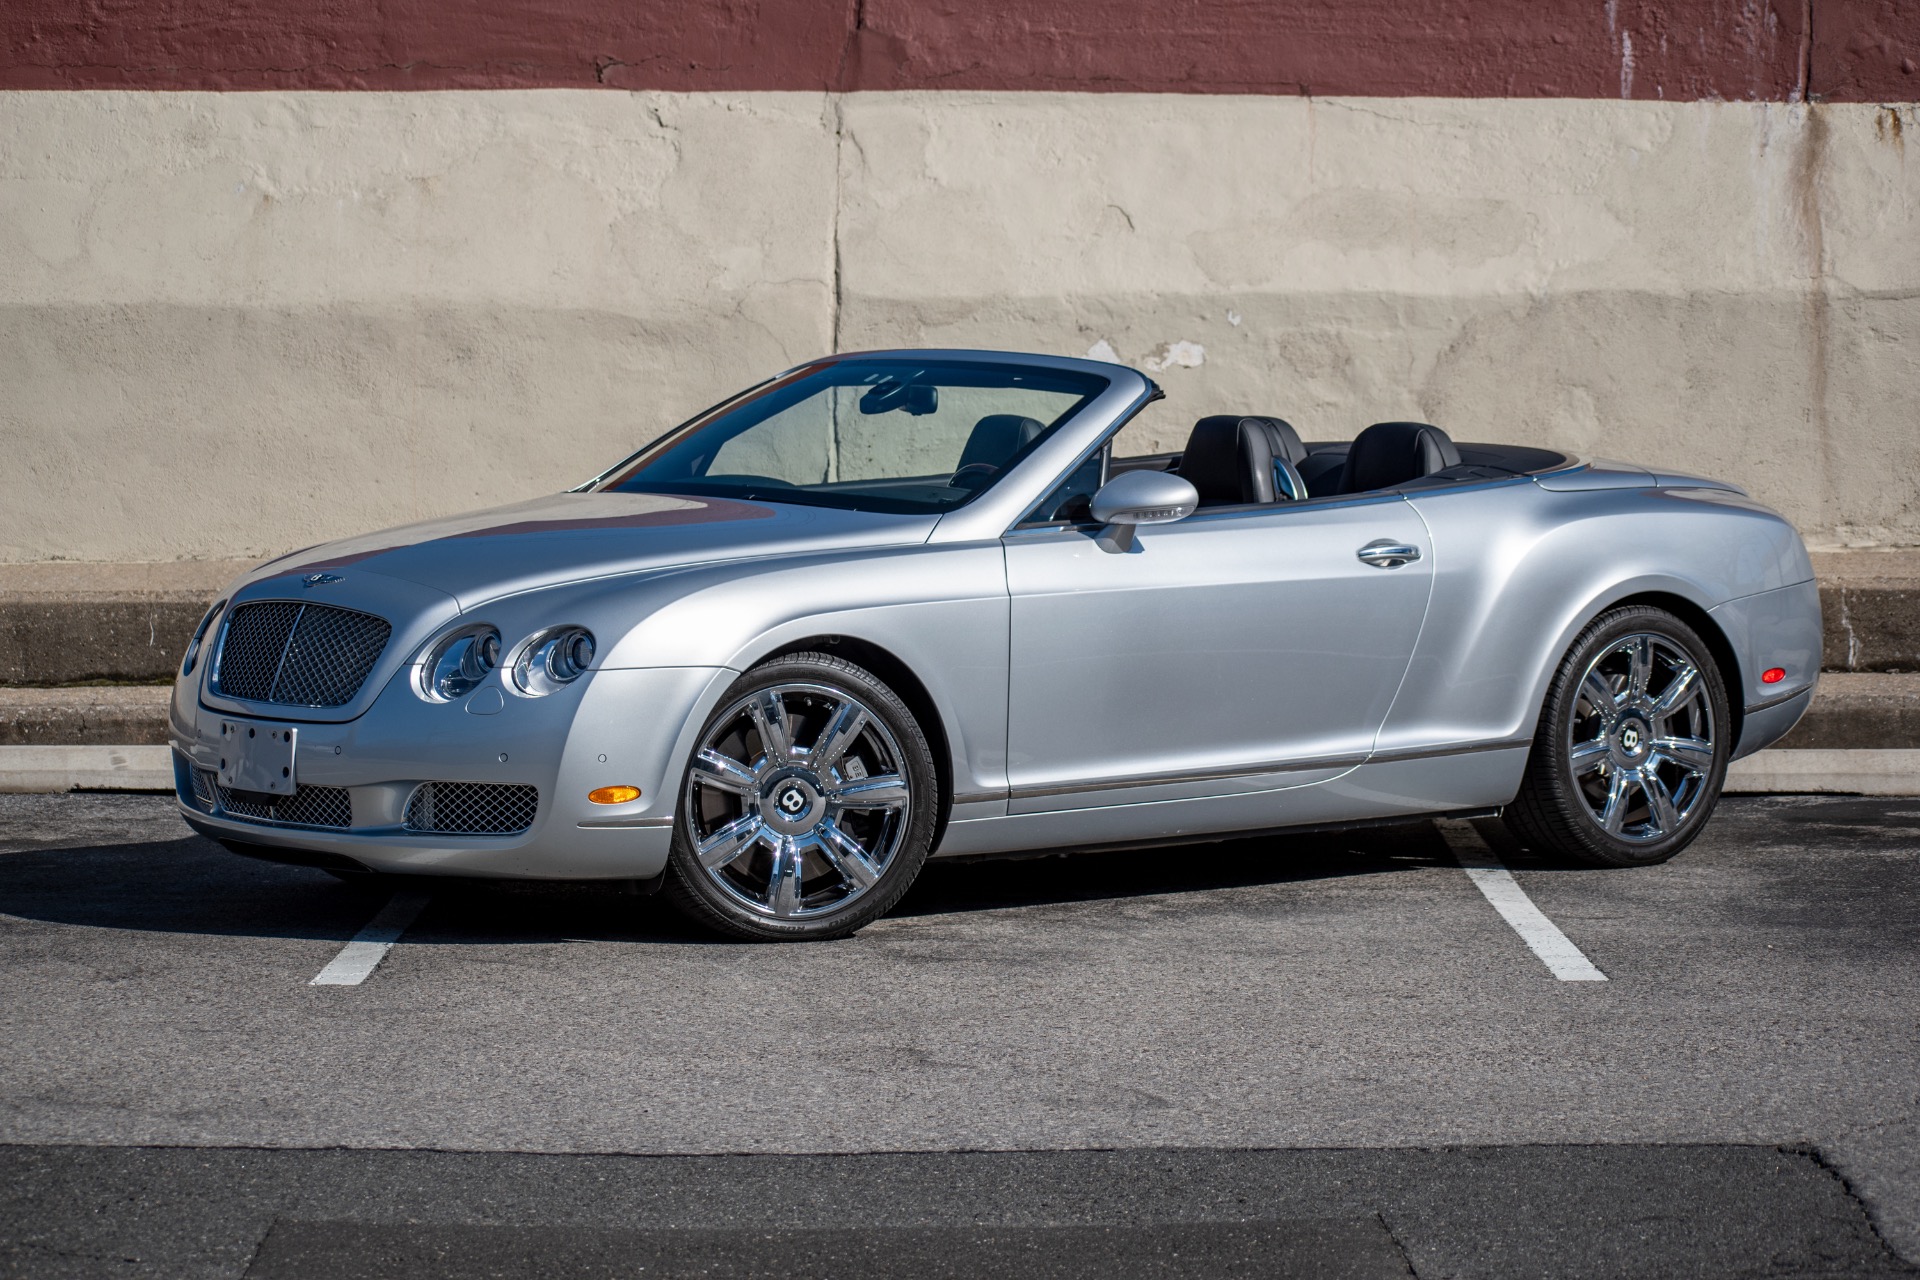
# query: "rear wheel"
{"points": [[1632, 746], [808, 807]]}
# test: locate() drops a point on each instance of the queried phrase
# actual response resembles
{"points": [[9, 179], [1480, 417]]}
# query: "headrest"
{"points": [[997, 437], [1391, 453], [1229, 457]]}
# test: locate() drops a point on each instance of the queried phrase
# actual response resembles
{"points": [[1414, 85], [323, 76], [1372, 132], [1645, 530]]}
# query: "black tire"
{"points": [[890, 745], [1580, 758]]}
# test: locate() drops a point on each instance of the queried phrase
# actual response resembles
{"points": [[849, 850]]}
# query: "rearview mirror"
{"points": [[917, 398], [1142, 497]]}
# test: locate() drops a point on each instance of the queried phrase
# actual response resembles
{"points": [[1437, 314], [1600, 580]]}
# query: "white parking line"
{"points": [[1553, 947], [369, 947]]}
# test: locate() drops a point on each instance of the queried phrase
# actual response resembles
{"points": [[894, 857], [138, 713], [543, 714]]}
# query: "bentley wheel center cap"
{"points": [[791, 805], [1633, 737]]}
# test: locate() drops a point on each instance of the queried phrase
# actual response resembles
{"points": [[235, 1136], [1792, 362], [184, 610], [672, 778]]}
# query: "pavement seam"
{"points": [[1826, 1165]]}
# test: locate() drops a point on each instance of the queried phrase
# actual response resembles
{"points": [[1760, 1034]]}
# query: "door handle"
{"points": [[1385, 553]]}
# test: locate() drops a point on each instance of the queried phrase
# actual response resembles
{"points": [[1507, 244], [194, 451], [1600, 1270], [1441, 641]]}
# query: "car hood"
{"points": [[570, 537]]}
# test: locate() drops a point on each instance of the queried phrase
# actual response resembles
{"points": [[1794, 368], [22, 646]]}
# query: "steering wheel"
{"points": [[974, 475]]}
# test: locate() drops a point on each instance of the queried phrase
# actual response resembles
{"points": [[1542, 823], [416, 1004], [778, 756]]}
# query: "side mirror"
{"points": [[1142, 497]]}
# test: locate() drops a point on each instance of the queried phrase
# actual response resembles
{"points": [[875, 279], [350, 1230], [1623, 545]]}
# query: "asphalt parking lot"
{"points": [[1323, 1055]]}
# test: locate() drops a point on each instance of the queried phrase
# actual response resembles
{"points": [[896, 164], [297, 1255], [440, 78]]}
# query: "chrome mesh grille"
{"points": [[306, 807], [329, 657], [302, 655], [472, 808], [202, 783], [256, 636]]}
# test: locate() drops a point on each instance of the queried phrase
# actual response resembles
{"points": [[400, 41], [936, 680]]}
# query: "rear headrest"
{"points": [[997, 437], [1391, 453], [1229, 457]]}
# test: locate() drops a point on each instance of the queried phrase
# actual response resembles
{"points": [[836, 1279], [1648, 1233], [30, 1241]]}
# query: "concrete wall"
{"points": [[233, 324], [236, 324]]}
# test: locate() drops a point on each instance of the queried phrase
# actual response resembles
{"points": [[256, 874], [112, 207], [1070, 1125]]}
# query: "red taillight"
{"points": [[1773, 675]]}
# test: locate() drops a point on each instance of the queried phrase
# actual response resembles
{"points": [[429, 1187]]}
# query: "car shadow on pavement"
{"points": [[1046, 878], [192, 885], [188, 885]]}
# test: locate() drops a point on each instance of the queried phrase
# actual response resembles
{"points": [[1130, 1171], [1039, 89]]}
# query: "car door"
{"points": [[1238, 650]]}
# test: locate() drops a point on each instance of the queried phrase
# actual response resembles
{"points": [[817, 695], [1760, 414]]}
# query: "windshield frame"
{"points": [[1090, 382]]}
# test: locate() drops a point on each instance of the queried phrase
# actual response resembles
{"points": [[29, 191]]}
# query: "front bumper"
{"points": [[631, 727]]}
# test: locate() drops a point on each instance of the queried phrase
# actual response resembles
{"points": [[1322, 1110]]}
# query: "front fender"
{"points": [[942, 611]]}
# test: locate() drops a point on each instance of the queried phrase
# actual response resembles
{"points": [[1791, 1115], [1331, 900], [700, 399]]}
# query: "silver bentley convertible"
{"points": [[910, 603]]}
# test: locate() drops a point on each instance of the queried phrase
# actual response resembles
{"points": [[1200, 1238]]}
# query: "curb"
{"points": [[67, 621], [1850, 711], [1893, 772], [1834, 771], [100, 716], [44, 769]]}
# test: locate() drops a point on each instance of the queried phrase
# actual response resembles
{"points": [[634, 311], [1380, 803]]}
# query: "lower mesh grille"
{"points": [[203, 784], [472, 808], [306, 807]]}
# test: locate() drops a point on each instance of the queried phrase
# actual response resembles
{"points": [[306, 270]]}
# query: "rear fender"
{"points": [[1521, 571], [1775, 630]]}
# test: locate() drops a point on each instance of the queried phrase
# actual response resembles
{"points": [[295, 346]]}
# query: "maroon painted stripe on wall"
{"points": [[1866, 50], [1672, 49]]}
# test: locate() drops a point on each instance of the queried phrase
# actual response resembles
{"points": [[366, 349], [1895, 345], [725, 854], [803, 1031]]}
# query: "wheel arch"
{"points": [[1683, 607], [1716, 640], [1549, 812], [894, 672]]}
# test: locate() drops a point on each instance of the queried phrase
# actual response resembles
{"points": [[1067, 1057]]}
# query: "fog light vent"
{"points": [[472, 808]]}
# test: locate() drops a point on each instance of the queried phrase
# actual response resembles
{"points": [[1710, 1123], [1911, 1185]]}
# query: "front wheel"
{"points": [[1632, 746], [808, 807]]}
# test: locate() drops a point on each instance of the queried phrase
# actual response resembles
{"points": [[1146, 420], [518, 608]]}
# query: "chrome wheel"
{"points": [[1640, 741], [797, 800]]}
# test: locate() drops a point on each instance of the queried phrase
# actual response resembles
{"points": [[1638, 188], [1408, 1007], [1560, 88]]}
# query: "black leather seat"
{"points": [[996, 438], [1391, 453], [1321, 472], [1230, 459]]}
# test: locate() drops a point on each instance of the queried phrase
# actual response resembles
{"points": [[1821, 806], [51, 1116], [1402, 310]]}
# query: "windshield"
{"points": [[870, 435]]}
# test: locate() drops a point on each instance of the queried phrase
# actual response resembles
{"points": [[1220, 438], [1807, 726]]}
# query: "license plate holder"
{"points": [[258, 757]]}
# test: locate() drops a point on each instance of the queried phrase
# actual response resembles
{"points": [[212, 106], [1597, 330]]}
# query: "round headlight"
{"points": [[459, 662], [552, 660], [200, 634]]}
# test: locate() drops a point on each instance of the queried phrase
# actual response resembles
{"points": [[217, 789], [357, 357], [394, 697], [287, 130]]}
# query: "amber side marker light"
{"points": [[1773, 675], [613, 795]]}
